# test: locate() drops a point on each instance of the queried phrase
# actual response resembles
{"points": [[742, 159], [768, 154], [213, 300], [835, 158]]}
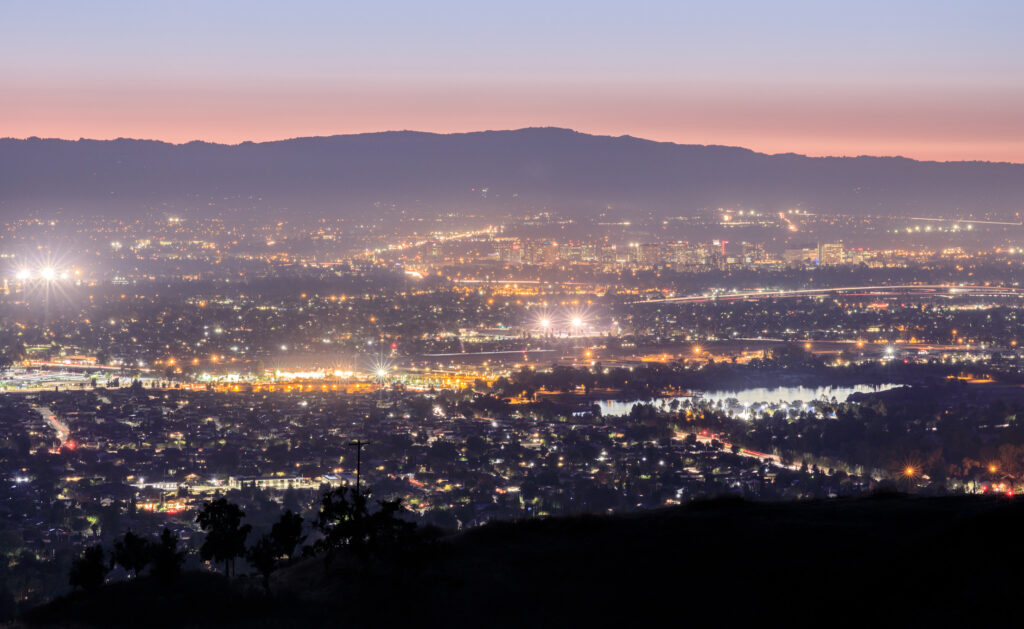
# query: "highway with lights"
{"points": [[905, 290]]}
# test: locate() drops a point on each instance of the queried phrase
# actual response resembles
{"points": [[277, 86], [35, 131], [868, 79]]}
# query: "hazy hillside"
{"points": [[883, 560], [526, 168]]}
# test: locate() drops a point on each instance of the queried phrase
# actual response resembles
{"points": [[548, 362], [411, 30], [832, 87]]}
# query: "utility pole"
{"points": [[358, 445]]}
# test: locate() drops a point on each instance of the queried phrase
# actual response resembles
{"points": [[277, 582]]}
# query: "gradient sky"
{"points": [[924, 79]]}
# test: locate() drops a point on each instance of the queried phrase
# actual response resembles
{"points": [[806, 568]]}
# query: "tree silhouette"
{"points": [[346, 522], [131, 552], [284, 536], [286, 533], [389, 533], [166, 557], [89, 570], [8, 606], [225, 533], [263, 556], [342, 520]]}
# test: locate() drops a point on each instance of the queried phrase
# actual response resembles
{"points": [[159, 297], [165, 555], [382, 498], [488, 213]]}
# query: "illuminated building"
{"points": [[831, 254]]}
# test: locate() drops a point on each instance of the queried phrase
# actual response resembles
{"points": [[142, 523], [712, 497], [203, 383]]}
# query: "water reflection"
{"points": [[755, 397]]}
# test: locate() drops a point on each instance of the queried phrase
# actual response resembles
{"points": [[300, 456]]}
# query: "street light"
{"points": [[48, 273], [23, 275]]}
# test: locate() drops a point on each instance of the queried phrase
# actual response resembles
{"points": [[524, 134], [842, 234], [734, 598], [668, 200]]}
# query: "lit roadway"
{"points": [[63, 432], [703, 437], [907, 290], [706, 438]]}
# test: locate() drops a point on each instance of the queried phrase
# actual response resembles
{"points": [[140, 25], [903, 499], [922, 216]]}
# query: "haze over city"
{"points": [[535, 314]]}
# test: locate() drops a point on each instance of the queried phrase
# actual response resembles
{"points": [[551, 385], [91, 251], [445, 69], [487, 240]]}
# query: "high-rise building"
{"points": [[648, 254], [800, 257], [753, 253], [510, 251], [577, 252], [683, 254], [541, 253], [831, 254]]}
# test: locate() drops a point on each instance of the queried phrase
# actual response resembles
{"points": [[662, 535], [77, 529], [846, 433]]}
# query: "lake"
{"points": [[774, 396]]}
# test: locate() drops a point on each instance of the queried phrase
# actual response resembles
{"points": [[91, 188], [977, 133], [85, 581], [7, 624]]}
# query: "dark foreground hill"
{"points": [[883, 561], [522, 169]]}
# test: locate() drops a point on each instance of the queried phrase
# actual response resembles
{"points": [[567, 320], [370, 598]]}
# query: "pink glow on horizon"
{"points": [[919, 122]]}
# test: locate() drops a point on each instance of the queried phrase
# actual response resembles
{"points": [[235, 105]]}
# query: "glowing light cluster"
{"points": [[575, 321], [45, 273]]}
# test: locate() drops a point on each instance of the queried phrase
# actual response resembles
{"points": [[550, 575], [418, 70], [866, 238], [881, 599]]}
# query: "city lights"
{"points": [[533, 342], [45, 274], [452, 355]]}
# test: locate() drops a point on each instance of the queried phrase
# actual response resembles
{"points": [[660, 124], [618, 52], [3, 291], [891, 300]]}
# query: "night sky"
{"points": [[924, 79]]}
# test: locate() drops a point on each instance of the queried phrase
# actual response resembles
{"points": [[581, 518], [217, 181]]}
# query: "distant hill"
{"points": [[882, 561], [526, 168]]}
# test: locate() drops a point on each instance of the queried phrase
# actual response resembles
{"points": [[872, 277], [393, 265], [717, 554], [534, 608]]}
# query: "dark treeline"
{"points": [[347, 522], [786, 365]]}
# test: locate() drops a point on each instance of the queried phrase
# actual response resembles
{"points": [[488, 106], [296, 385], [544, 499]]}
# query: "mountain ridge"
{"points": [[415, 132], [521, 170]]}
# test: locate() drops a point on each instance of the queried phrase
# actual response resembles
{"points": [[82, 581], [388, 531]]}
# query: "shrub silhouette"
{"points": [[89, 570]]}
